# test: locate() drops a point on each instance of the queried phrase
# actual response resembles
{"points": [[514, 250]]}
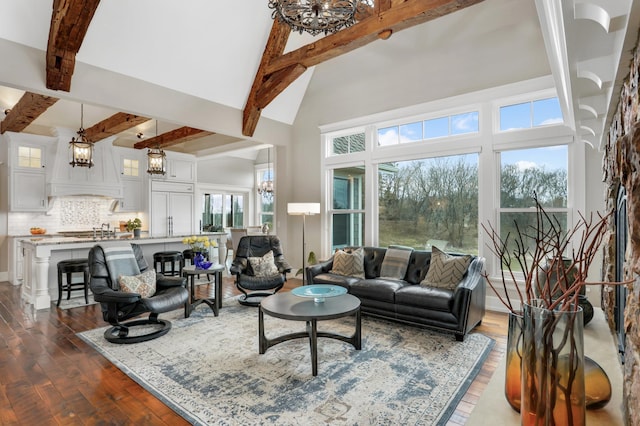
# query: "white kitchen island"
{"points": [[41, 256]]}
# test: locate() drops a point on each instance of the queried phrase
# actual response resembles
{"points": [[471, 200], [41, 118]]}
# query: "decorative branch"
{"points": [[554, 269]]}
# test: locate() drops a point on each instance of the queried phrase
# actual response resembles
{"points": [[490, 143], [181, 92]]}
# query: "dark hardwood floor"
{"points": [[48, 376]]}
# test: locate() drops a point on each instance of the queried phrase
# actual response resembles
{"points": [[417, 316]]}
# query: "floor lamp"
{"points": [[304, 210]]}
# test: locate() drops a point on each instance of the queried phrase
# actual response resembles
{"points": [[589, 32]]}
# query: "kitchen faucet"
{"points": [[102, 230]]}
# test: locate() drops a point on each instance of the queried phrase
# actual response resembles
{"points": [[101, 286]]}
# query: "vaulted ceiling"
{"points": [[213, 73]]}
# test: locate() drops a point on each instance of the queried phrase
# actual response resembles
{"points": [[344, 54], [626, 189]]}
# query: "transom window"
{"points": [[347, 144], [449, 125], [543, 112]]}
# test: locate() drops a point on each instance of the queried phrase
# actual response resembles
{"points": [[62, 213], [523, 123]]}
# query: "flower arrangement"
{"points": [[199, 244]]}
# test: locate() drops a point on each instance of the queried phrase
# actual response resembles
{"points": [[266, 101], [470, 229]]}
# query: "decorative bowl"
{"points": [[205, 265], [37, 231], [319, 292]]}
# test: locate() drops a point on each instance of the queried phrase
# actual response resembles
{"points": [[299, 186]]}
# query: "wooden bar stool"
{"points": [[163, 257], [69, 267]]}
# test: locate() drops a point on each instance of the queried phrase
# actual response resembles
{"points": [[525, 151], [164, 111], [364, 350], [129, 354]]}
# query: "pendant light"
{"points": [[81, 147], [156, 159]]}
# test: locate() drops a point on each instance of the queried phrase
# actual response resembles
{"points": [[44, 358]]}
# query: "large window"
{"points": [[429, 202], [347, 213], [221, 211], [523, 173]]}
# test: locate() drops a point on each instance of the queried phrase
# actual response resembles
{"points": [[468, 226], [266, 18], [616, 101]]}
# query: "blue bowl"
{"points": [[206, 265]]}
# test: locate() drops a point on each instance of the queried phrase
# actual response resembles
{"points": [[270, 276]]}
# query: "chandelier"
{"points": [[265, 188], [156, 159], [316, 16], [81, 147]]}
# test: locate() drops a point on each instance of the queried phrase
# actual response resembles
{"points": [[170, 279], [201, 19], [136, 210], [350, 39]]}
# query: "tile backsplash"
{"points": [[71, 214]]}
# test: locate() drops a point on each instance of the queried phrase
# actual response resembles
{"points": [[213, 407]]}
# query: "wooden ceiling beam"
{"points": [[396, 18], [118, 122], [28, 108], [276, 83], [70, 21], [276, 43], [174, 137], [277, 70]]}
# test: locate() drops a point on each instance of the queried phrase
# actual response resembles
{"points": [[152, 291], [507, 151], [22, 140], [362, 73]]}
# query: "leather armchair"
{"points": [[255, 288], [118, 306]]}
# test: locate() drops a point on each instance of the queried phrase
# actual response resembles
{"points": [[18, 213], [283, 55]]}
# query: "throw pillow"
{"points": [[349, 264], [445, 271], [395, 262], [264, 266], [143, 284]]}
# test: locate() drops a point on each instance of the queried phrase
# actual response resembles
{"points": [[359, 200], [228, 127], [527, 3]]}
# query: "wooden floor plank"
{"points": [[50, 376]]}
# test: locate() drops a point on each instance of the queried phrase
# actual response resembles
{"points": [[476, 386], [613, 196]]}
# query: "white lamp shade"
{"points": [[306, 209]]}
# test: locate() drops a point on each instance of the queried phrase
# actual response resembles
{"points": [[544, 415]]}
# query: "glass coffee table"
{"points": [[288, 306]]}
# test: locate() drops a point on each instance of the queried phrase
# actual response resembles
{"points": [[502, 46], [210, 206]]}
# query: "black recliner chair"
{"points": [[118, 306], [255, 288]]}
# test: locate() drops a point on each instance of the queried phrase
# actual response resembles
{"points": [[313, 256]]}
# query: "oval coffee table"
{"points": [[291, 307]]}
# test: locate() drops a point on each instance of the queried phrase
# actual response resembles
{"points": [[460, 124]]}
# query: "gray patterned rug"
{"points": [[209, 371], [74, 302]]}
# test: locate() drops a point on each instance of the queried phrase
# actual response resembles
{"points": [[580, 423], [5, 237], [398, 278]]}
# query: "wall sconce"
{"points": [[81, 148]]}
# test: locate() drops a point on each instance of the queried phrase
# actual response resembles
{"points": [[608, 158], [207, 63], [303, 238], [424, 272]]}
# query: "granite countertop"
{"points": [[52, 239]]}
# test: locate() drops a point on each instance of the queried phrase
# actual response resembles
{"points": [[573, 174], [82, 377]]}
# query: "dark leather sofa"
{"points": [[458, 311]]}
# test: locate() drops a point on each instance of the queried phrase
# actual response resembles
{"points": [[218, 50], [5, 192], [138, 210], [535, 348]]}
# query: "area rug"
{"points": [[209, 371], [74, 302]]}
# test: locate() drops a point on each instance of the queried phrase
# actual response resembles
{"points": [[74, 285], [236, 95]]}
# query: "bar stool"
{"points": [[69, 267], [163, 257]]}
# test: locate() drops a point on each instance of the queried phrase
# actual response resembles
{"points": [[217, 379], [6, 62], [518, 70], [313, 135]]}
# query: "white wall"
{"points": [[226, 171]]}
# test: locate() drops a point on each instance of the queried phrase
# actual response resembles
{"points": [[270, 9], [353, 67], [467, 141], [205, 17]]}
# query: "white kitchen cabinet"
{"points": [[180, 168], [172, 211], [27, 174], [132, 168], [16, 261], [132, 198], [28, 191]]}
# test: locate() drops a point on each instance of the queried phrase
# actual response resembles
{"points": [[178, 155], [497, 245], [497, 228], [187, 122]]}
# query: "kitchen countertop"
{"points": [[52, 239]]}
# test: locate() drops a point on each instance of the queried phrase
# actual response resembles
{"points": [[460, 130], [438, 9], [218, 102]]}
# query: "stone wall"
{"points": [[621, 166]]}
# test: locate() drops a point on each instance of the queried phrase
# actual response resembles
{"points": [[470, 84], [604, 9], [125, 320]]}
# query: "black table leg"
{"points": [[314, 347]]}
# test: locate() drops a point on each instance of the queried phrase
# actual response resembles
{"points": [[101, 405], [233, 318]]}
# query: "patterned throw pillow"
{"points": [[349, 264], [395, 262], [445, 271], [264, 266], [143, 284]]}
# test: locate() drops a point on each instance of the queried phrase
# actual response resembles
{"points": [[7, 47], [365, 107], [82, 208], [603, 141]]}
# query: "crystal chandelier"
{"points": [[156, 159], [81, 147], [266, 186], [316, 16]]}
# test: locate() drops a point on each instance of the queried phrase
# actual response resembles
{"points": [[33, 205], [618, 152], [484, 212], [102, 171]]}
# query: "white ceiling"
{"points": [[209, 51]]}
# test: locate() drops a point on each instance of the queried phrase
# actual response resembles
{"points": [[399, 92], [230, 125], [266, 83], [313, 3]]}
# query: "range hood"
{"points": [[101, 180]]}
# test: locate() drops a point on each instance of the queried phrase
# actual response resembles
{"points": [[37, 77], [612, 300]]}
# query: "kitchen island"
{"points": [[41, 256]]}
